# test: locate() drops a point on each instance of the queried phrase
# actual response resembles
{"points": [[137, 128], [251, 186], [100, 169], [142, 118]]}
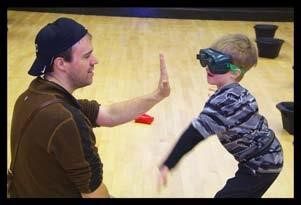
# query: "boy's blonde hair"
{"points": [[240, 48]]}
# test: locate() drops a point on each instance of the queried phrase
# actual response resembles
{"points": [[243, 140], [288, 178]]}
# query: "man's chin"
{"points": [[85, 84]]}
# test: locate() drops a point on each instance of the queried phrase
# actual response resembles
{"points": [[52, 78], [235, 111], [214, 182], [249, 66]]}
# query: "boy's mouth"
{"points": [[210, 74]]}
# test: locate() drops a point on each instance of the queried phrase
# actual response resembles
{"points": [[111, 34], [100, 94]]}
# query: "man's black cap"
{"points": [[53, 39]]}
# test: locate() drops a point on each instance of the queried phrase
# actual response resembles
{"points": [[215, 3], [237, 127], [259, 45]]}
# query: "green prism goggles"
{"points": [[217, 62]]}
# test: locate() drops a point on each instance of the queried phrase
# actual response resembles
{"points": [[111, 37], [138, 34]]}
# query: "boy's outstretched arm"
{"points": [[186, 142], [122, 112]]}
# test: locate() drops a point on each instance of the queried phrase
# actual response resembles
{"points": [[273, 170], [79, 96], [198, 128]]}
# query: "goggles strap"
{"points": [[235, 68]]}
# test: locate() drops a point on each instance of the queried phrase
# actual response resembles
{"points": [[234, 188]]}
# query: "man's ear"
{"points": [[59, 63]]}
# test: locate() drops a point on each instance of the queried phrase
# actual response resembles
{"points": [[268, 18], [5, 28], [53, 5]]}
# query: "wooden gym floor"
{"points": [[128, 53]]}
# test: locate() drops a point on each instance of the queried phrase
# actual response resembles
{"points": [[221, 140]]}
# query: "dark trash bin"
{"points": [[287, 114], [269, 47], [265, 30]]}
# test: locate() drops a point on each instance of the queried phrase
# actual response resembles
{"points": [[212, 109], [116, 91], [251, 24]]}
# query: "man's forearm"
{"points": [[122, 112], [125, 111]]}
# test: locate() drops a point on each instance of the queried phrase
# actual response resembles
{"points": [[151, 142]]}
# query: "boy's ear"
{"points": [[236, 73]]}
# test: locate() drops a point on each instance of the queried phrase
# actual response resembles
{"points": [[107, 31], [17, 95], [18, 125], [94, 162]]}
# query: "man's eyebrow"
{"points": [[88, 53]]}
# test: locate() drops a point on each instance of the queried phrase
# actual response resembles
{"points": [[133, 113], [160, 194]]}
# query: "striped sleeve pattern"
{"points": [[232, 114], [224, 110]]}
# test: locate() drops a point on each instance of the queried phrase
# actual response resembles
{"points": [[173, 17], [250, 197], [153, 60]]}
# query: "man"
{"points": [[53, 150]]}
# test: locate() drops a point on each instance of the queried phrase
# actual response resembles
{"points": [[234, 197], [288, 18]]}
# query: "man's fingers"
{"points": [[165, 84], [162, 61], [163, 70]]}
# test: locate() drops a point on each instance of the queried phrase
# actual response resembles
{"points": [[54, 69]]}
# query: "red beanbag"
{"points": [[144, 118]]}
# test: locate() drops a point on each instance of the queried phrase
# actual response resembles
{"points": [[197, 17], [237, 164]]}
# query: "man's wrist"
{"points": [[157, 95]]}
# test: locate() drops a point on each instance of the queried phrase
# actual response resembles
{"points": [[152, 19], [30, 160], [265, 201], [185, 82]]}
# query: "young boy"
{"points": [[232, 114]]}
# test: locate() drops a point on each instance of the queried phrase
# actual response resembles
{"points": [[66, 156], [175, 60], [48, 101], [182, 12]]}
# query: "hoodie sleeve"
{"points": [[90, 109]]}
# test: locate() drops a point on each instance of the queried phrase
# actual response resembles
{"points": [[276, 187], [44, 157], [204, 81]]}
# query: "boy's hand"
{"points": [[162, 178]]}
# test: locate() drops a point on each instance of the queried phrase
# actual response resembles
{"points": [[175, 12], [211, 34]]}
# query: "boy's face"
{"points": [[221, 79], [219, 67], [216, 61]]}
